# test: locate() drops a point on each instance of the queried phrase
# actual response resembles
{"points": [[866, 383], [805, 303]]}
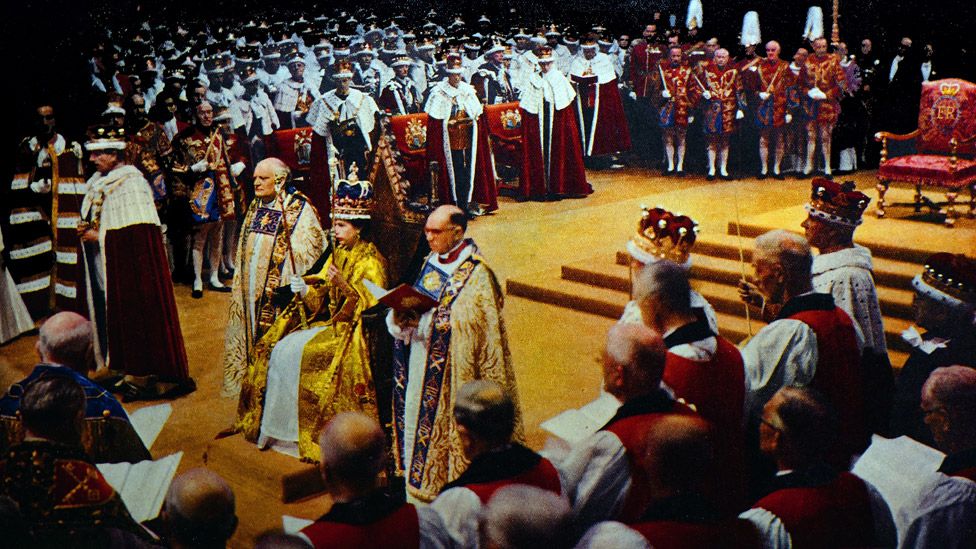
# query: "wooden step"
{"points": [[553, 289], [878, 249], [888, 272], [279, 476]]}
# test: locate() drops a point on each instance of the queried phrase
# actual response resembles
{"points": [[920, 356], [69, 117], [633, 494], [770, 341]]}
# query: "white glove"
{"points": [[199, 167], [41, 186], [666, 94], [764, 95], [691, 119], [754, 68], [816, 94], [633, 95], [739, 115], [236, 168], [298, 286], [789, 118], [707, 95]]}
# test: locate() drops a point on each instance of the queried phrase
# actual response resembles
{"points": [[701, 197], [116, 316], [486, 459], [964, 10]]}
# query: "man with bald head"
{"points": [[281, 239], [64, 347], [364, 513], [605, 476], [199, 510], [462, 338]]}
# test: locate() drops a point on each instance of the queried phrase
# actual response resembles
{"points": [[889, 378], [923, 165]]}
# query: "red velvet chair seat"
{"points": [[929, 170]]}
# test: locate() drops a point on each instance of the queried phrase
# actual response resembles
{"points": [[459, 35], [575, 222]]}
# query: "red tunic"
{"points": [[680, 82], [824, 72], [397, 530], [838, 374], [567, 177], [837, 514], [725, 86], [631, 431], [772, 77], [717, 390]]}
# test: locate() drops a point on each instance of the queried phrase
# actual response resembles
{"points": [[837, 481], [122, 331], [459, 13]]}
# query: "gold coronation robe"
{"points": [[335, 374], [263, 265]]}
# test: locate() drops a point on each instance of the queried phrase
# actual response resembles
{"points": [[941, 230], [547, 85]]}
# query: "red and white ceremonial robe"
{"points": [[129, 289], [443, 102], [552, 153], [598, 106]]}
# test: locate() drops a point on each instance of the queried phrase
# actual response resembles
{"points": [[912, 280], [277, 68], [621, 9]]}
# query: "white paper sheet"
{"points": [[903, 470], [142, 485], [573, 426], [148, 422], [292, 525]]}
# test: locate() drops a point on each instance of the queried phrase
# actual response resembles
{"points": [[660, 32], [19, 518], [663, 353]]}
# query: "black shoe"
{"points": [[726, 177], [180, 389], [779, 176], [761, 176], [223, 289], [226, 275], [679, 173], [710, 177], [196, 294], [668, 172]]}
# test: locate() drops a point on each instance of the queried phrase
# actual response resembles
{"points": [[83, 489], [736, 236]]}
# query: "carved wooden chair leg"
{"points": [[882, 188], [950, 220], [918, 198]]}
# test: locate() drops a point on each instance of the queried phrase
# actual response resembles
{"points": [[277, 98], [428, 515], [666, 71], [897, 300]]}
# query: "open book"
{"points": [[402, 298], [572, 426], [142, 485]]}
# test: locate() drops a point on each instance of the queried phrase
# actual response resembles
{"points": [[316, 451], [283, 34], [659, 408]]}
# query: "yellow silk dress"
{"points": [[335, 373]]}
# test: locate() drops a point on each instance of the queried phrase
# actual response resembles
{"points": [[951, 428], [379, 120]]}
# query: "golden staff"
{"points": [[291, 254], [742, 258]]}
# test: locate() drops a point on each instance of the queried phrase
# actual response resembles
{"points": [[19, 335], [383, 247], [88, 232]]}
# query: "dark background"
{"points": [[46, 42]]}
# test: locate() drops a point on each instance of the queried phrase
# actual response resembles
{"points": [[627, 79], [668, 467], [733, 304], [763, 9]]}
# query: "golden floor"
{"points": [[555, 349]]}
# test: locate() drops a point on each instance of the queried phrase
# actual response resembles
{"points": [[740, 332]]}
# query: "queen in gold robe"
{"points": [[313, 362]]}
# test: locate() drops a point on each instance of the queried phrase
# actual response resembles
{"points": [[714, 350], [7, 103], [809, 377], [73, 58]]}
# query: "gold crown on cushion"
{"points": [[837, 203], [948, 278], [663, 235], [353, 198], [104, 138]]}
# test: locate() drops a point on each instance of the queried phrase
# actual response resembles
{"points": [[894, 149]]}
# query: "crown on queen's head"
{"points": [[663, 235], [353, 198]]}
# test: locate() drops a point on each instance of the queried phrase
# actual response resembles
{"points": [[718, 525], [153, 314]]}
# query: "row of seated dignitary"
{"points": [[64, 347]]}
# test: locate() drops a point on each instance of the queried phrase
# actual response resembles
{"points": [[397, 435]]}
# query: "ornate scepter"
{"points": [[279, 180]]}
